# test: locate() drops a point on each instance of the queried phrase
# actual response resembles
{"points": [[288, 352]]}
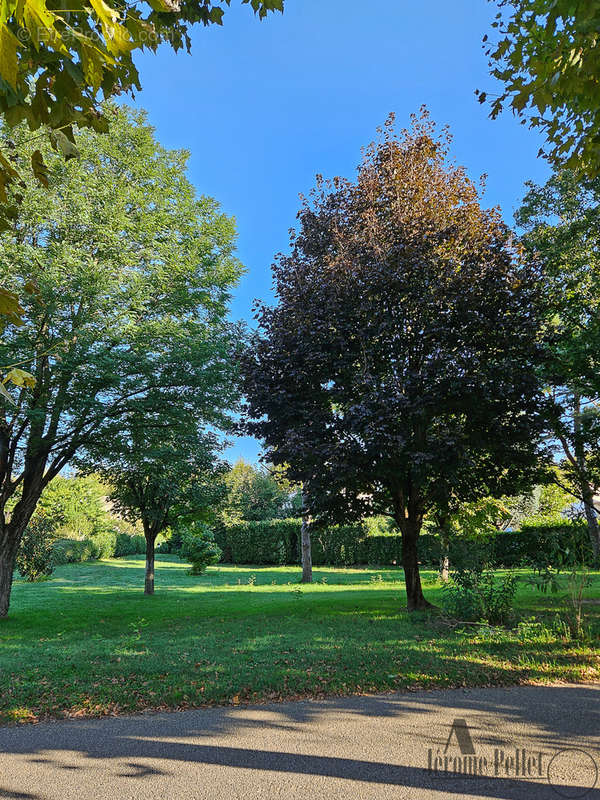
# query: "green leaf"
{"points": [[166, 5], [64, 144], [117, 37], [20, 378], [8, 56], [40, 170], [36, 19], [93, 63], [10, 306], [6, 395]]}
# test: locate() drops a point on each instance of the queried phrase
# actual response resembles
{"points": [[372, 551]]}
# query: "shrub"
{"points": [[278, 542], [198, 546], [472, 552], [270, 542], [220, 531], [72, 551], [554, 542], [172, 542], [35, 556], [129, 545], [474, 594], [104, 541]]}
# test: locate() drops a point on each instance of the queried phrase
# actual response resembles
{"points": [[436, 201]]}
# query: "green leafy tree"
{"points": [[133, 275], [76, 505], [470, 521], [561, 224], [554, 498], [55, 64], [162, 467], [546, 54], [401, 356], [252, 494]]}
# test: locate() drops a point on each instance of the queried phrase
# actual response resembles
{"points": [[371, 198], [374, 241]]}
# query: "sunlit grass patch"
{"points": [[88, 642]]}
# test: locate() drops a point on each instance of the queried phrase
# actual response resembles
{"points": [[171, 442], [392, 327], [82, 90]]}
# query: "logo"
{"points": [[570, 762], [570, 773]]}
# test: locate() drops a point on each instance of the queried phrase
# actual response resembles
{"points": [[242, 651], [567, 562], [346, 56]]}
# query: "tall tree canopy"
{"points": [[561, 221], [398, 367], [130, 275], [546, 53]]}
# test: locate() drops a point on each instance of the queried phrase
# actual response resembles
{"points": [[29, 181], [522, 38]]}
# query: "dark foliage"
{"points": [[397, 372]]}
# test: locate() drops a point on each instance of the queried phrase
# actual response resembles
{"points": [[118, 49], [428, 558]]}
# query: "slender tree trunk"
{"points": [[8, 555], [445, 554], [587, 492], [149, 582], [592, 520], [10, 538], [305, 546], [442, 521], [410, 530]]}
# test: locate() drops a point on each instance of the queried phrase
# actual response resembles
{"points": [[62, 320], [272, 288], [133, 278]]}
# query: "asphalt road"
{"points": [[524, 742]]}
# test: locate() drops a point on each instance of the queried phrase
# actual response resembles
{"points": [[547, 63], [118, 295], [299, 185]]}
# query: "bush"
{"points": [[476, 595], [128, 545], [220, 531], [172, 542], [35, 556], [554, 542], [550, 541], [270, 542], [72, 551], [198, 546], [278, 542], [104, 542]]}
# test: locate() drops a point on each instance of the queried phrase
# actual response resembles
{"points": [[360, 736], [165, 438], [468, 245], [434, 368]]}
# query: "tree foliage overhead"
{"points": [[133, 274], [397, 370], [547, 55], [58, 61]]}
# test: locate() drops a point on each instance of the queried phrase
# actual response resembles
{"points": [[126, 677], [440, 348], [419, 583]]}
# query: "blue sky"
{"points": [[265, 106]]}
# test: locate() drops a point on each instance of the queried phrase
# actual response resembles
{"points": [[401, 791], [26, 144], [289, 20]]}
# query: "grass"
{"points": [[88, 642]]}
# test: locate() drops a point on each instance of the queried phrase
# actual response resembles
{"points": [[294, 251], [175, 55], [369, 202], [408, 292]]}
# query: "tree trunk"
{"points": [[10, 538], [592, 521], [587, 492], [305, 546], [7, 566], [415, 600], [149, 582], [445, 565], [445, 549]]}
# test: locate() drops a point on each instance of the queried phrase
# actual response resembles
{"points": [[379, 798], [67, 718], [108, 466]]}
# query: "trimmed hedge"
{"points": [[347, 545], [72, 551], [274, 541], [545, 542], [130, 545]]}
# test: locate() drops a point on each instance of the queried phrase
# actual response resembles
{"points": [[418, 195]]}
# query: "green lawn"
{"points": [[89, 642]]}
